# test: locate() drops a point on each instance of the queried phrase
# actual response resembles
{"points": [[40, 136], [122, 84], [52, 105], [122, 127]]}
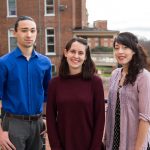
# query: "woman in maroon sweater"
{"points": [[75, 106]]}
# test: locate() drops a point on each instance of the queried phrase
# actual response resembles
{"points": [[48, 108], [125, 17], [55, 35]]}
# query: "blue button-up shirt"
{"points": [[23, 83]]}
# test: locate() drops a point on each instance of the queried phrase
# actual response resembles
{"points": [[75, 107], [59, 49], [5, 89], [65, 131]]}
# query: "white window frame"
{"points": [[9, 15], [10, 34], [45, 8], [46, 44]]}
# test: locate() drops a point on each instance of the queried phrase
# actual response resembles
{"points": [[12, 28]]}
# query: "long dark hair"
{"points": [[139, 59], [88, 67]]}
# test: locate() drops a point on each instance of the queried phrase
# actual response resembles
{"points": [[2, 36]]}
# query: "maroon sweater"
{"points": [[75, 113]]}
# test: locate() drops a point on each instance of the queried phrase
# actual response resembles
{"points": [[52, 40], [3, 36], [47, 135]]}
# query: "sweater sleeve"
{"points": [[144, 96], [51, 114], [99, 114]]}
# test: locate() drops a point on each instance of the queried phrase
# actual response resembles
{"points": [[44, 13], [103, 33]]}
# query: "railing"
{"points": [[103, 59]]}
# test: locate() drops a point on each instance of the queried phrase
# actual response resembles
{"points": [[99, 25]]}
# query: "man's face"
{"points": [[26, 33]]}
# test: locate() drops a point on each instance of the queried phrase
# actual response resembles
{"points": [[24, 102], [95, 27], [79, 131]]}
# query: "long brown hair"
{"points": [[88, 67]]}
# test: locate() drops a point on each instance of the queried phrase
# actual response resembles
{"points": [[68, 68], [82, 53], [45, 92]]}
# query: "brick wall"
{"points": [[63, 21], [100, 24]]}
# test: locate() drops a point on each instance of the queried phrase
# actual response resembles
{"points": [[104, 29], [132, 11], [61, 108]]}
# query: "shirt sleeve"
{"points": [[51, 116], [144, 96], [47, 77], [3, 74], [99, 115]]}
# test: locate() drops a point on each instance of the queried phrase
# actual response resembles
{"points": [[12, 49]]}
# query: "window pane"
{"points": [[49, 7], [50, 32], [50, 40], [50, 48], [53, 68], [13, 43], [50, 10], [49, 2], [12, 7]]}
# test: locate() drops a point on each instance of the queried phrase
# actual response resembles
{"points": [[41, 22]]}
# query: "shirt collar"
{"points": [[18, 53]]}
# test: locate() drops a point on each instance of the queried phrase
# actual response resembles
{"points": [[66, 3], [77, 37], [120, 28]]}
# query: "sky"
{"points": [[122, 15]]}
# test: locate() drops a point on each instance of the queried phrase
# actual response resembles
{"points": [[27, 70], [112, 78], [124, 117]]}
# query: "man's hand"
{"points": [[45, 128], [5, 143]]}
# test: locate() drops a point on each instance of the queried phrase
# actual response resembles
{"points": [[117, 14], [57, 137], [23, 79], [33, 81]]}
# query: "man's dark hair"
{"points": [[22, 18]]}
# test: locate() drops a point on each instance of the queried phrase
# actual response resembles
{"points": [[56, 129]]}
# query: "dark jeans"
{"points": [[25, 135]]}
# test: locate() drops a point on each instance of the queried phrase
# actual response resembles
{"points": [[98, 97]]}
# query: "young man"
{"points": [[24, 76]]}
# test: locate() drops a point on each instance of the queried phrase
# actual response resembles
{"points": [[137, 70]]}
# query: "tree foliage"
{"points": [[146, 45]]}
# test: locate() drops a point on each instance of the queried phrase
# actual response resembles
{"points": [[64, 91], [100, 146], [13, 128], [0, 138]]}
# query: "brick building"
{"points": [[98, 35], [57, 22]]}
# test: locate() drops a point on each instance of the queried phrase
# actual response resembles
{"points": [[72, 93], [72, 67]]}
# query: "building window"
{"points": [[96, 44], [89, 42], [53, 70], [111, 42], [12, 42], [105, 42], [49, 7], [11, 8], [50, 41]]}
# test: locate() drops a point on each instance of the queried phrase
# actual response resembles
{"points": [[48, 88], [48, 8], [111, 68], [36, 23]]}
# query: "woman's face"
{"points": [[123, 54], [75, 56]]}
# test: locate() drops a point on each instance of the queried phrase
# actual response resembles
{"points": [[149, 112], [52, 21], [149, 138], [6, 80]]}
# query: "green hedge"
{"points": [[102, 49]]}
